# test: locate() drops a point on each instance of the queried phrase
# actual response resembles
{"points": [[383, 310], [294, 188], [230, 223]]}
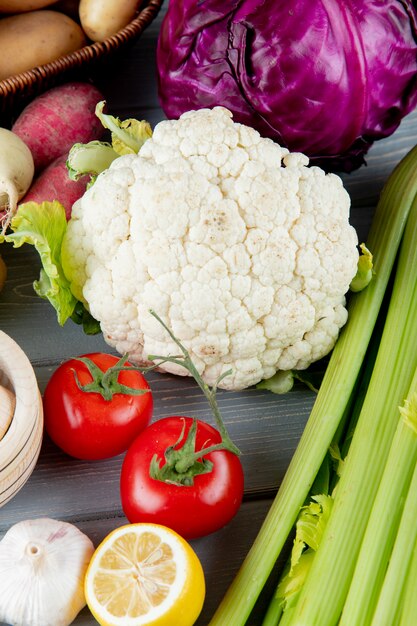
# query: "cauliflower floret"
{"points": [[243, 250]]}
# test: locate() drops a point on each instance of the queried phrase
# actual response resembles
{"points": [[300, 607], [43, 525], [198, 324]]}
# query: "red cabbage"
{"points": [[323, 77]]}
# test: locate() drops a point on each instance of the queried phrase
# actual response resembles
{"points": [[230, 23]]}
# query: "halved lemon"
{"points": [[145, 575]]}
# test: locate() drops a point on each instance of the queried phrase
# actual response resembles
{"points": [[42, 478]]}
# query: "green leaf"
{"points": [[106, 382], [90, 158], [365, 270], [43, 226], [280, 383], [293, 579], [182, 463], [128, 136], [83, 317], [139, 129], [283, 381], [409, 412]]}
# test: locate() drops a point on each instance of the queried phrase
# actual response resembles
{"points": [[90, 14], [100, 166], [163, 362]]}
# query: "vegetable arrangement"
{"points": [[286, 67], [179, 471], [94, 408], [38, 145], [285, 271], [355, 540], [245, 282], [37, 32], [180, 474]]}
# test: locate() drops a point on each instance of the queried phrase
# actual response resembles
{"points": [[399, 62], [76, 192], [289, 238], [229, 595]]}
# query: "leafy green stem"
{"points": [[107, 383], [209, 392]]}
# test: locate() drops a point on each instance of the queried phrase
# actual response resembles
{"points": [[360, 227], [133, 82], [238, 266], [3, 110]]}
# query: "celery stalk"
{"points": [[334, 394], [381, 530], [342, 440], [273, 615], [409, 599], [325, 589], [276, 617], [389, 601], [286, 617]]}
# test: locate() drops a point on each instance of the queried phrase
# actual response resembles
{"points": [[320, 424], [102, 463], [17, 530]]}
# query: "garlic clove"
{"points": [[42, 569], [7, 407]]}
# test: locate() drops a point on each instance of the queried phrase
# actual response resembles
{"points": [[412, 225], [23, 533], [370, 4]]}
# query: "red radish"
{"points": [[53, 183], [60, 117]]}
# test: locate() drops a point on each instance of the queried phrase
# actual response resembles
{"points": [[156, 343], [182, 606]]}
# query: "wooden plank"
{"points": [[31, 321]]}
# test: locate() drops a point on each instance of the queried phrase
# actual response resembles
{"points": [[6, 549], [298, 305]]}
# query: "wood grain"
{"points": [[7, 407], [266, 427]]}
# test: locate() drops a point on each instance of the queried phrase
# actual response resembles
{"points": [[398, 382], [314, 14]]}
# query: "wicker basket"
{"points": [[33, 82]]}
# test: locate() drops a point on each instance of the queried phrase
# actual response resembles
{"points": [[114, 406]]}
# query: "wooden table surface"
{"points": [[266, 427]]}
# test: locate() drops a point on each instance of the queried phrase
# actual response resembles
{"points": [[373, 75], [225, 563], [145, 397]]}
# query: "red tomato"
{"points": [[84, 424], [192, 511]]}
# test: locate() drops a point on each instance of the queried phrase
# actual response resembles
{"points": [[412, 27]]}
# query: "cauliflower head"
{"points": [[243, 251]]}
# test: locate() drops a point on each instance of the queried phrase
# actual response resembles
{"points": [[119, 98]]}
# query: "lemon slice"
{"points": [[144, 575]]}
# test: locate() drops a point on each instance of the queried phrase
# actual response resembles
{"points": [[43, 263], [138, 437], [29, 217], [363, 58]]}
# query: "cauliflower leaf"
{"points": [[44, 225], [89, 158], [128, 136]]}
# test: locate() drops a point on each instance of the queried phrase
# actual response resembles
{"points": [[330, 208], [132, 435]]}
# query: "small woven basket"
{"points": [[33, 82]]}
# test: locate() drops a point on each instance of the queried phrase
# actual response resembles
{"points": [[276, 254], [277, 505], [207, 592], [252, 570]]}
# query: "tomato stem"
{"points": [[210, 392], [183, 463], [106, 383]]}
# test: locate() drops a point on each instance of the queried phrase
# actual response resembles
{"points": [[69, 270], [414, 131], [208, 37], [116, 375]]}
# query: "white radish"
{"points": [[16, 174], [7, 407]]}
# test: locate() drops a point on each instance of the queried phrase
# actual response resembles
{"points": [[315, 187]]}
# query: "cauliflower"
{"points": [[244, 252]]}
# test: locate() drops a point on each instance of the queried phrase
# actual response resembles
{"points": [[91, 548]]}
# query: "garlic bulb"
{"points": [[42, 568]]}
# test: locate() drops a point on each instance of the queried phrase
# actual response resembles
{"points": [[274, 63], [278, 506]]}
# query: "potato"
{"points": [[103, 18], [19, 6], [36, 38]]}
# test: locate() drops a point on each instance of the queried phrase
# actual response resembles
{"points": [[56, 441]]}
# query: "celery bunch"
{"points": [[354, 551]]}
